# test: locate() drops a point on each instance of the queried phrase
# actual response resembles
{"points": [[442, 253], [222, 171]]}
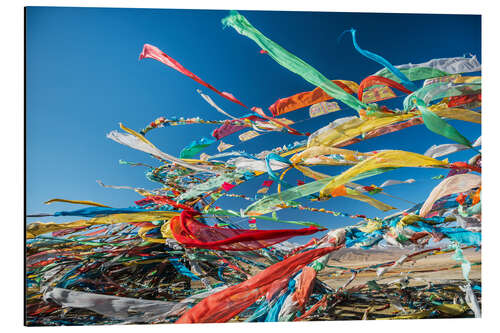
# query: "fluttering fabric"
{"points": [[445, 149], [129, 310], [270, 202], [304, 99], [467, 101], [378, 93], [289, 61], [121, 308], [393, 128], [196, 147], [212, 103], [449, 148], [323, 108], [267, 183], [454, 78], [438, 91], [209, 185], [256, 164], [450, 185], [98, 211], [434, 68], [344, 129], [80, 202], [192, 233], [375, 57], [277, 121], [227, 187], [248, 135], [223, 146], [229, 127], [135, 142], [391, 182], [353, 194], [384, 159], [315, 151], [150, 51], [373, 80], [305, 286], [38, 228], [437, 125]]}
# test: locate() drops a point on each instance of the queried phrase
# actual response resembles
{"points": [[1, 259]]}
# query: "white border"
{"points": [[12, 80]]}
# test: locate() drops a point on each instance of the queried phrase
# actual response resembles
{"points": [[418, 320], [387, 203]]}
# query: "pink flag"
{"points": [[226, 129], [150, 51], [227, 186]]}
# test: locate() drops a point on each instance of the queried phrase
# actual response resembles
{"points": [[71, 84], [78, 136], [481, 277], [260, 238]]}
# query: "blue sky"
{"points": [[84, 77]]}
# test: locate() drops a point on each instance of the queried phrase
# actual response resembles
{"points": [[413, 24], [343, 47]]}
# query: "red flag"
{"points": [[267, 183], [150, 51], [192, 233]]}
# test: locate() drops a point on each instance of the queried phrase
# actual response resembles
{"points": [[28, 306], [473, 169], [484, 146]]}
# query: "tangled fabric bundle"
{"points": [[224, 305], [174, 255]]}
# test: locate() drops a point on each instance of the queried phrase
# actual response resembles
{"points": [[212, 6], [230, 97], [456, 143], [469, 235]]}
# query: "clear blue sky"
{"points": [[84, 77]]}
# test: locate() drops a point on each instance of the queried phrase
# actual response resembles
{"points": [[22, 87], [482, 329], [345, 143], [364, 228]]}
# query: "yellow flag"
{"points": [[80, 202], [353, 194], [39, 228], [142, 233], [349, 155], [166, 231], [384, 159], [354, 127], [443, 110], [357, 126]]}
